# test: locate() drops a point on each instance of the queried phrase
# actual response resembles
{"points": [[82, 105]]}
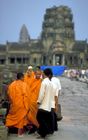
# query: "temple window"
{"points": [[25, 60], [2, 61], [19, 60], [12, 60]]}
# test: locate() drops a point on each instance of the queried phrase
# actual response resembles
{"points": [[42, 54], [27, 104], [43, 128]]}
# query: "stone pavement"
{"points": [[65, 132], [74, 103]]}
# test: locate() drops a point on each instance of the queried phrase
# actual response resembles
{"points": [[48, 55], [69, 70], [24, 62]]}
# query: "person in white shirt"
{"points": [[57, 84], [46, 101]]}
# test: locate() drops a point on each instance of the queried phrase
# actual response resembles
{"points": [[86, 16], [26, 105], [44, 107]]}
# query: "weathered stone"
{"points": [[3, 132]]}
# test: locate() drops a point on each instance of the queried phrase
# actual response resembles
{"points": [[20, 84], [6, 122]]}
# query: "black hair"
{"points": [[20, 75], [38, 67], [48, 72]]}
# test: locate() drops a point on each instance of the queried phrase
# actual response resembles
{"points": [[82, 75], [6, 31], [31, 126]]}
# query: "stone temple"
{"points": [[56, 46]]}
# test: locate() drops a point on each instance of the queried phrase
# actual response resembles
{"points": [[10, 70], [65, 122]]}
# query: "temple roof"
{"points": [[2, 47], [79, 46]]}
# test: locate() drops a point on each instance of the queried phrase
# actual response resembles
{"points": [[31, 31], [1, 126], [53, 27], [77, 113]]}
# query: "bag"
{"points": [[59, 114]]}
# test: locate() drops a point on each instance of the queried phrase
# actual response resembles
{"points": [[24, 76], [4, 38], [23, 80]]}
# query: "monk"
{"points": [[34, 93], [29, 76], [19, 104]]}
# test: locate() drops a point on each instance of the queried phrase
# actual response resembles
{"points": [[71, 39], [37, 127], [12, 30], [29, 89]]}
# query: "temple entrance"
{"points": [[58, 59]]}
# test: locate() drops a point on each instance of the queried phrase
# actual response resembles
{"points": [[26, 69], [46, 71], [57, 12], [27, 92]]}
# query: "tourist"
{"points": [[45, 100], [55, 109]]}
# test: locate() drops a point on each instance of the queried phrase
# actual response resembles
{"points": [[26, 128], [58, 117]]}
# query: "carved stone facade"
{"points": [[56, 46]]}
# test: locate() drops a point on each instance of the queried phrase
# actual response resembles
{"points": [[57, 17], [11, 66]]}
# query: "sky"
{"points": [[15, 13]]}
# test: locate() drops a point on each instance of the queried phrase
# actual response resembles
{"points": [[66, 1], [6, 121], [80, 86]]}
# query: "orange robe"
{"points": [[18, 95], [29, 79], [34, 92]]}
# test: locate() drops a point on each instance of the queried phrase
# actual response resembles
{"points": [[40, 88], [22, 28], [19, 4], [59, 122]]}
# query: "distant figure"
{"points": [[19, 106]]}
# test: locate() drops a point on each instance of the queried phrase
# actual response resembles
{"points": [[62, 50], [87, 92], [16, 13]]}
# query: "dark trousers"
{"points": [[54, 121], [44, 119]]}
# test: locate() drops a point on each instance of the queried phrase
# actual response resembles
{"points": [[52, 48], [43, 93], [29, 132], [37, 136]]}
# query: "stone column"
{"points": [[63, 59], [53, 59], [16, 64], [72, 60], [7, 50]]}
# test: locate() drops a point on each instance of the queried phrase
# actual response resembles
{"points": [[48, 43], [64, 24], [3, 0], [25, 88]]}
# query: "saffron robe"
{"points": [[18, 95], [34, 93], [29, 79]]}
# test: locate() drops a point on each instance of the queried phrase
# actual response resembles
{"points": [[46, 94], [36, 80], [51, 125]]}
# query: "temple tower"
{"points": [[24, 35], [58, 24]]}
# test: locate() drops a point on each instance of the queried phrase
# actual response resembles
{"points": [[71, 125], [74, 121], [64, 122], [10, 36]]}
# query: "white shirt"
{"points": [[57, 84], [46, 95]]}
